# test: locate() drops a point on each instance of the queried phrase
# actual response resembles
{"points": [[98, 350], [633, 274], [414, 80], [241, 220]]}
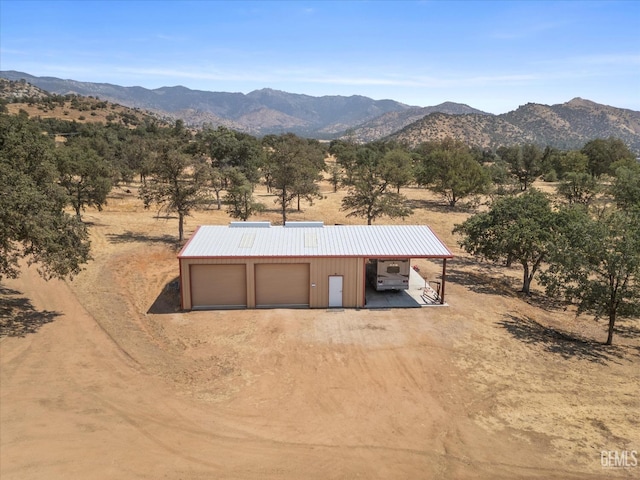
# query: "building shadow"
{"points": [[18, 317], [565, 344], [168, 301]]}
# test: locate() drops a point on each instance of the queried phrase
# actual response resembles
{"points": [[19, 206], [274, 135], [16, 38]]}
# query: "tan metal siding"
{"points": [[185, 285], [352, 269], [282, 284], [360, 282], [322, 269], [218, 286]]}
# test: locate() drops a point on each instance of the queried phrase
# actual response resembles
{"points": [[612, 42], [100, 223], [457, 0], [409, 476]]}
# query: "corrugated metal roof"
{"points": [[411, 241]]}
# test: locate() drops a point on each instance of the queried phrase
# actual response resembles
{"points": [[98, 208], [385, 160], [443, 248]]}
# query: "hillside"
{"points": [[391, 122], [566, 126], [22, 96]]}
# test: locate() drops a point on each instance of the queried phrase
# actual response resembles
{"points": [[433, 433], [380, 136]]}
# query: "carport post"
{"points": [[444, 279]]}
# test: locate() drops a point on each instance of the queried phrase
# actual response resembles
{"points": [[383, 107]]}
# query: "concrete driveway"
{"points": [[419, 294]]}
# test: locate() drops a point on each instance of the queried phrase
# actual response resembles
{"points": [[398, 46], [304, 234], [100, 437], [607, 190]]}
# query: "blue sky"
{"points": [[493, 56]]}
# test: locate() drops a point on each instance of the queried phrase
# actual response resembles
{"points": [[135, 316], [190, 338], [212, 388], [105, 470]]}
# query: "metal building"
{"points": [[301, 264]]}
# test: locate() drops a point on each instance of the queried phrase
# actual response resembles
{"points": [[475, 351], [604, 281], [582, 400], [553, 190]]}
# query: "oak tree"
{"points": [[369, 195], [525, 163], [603, 153], [594, 263], [239, 197], [175, 183], [449, 169], [85, 176], [625, 187], [579, 187], [33, 223], [294, 165], [515, 229]]}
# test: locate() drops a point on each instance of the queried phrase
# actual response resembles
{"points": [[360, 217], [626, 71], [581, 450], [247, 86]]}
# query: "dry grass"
{"points": [[112, 112], [116, 382]]}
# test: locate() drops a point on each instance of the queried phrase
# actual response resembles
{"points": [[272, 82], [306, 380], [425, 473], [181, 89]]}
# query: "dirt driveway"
{"points": [[103, 378]]}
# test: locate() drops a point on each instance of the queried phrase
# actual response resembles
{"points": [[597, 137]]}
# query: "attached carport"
{"points": [[420, 293], [299, 265]]}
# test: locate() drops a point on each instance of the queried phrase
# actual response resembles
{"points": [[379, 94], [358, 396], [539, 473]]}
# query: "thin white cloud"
{"points": [[267, 75], [608, 59], [169, 38], [187, 73], [527, 30], [9, 51], [423, 82]]}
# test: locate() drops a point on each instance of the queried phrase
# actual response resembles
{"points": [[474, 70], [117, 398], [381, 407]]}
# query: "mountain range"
{"points": [[265, 111], [565, 126]]}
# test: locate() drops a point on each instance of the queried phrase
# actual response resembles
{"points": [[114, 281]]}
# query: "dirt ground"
{"points": [[104, 378]]}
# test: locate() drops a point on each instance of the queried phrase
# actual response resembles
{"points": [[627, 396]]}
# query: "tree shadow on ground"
{"points": [[92, 223], [129, 236], [437, 206], [487, 278], [626, 331], [546, 302], [565, 344], [483, 279], [169, 299], [123, 192], [18, 318]]}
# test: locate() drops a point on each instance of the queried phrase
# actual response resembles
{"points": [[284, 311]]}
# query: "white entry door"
{"points": [[335, 290]]}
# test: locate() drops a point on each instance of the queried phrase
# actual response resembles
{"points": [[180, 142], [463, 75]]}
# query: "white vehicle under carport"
{"points": [[386, 274]]}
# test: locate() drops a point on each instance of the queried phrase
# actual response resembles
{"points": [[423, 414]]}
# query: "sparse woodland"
{"points": [[585, 238]]}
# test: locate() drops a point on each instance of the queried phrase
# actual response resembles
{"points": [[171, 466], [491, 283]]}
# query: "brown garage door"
{"points": [[218, 286], [282, 285]]}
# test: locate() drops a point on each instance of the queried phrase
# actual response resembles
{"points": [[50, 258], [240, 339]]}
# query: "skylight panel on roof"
{"points": [[310, 240], [247, 240]]}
